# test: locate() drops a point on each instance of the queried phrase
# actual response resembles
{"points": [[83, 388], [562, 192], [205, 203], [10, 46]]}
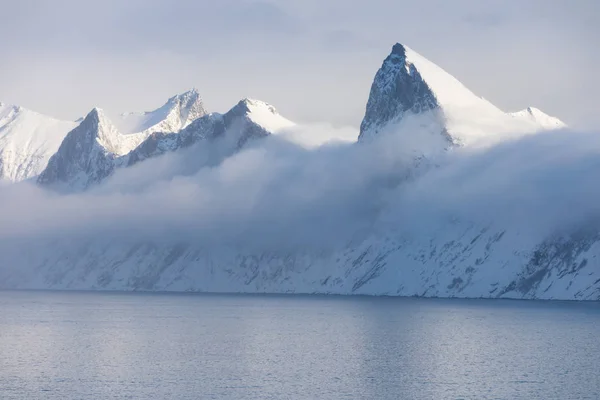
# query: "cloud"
{"points": [[274, 195], [279, 196], [541, 184]]}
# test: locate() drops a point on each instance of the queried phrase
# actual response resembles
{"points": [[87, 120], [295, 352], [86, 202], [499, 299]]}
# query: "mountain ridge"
{"points": [[438, 256], [77, 164]]}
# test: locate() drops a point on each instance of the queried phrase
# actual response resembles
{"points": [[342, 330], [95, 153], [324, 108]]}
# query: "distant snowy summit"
{"points": [[408, 86]]}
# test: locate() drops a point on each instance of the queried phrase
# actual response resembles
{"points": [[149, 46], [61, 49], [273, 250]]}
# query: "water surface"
{"points": [[86, 345]]}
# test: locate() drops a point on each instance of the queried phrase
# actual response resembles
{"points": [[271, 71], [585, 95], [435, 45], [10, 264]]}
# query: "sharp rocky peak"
{"points": [[96, 126], [397, 90], [85, 155]]}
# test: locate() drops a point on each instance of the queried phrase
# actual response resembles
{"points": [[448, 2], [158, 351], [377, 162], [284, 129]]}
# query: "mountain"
{"points": [[536, 116], [456, 260], [430, 255], [177, 113], [249, 119], [87, 154], [27, 141], [91, 152], [399, 91], [409, 86]]}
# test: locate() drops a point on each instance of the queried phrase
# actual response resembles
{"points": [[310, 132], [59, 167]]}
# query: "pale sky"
{"points": [[314, 60]]}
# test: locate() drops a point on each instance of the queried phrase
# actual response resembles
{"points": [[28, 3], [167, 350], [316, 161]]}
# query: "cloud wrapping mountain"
{"points": [[402, 213]]}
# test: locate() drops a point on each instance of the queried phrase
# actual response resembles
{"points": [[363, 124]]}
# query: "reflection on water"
{"points": [[60, 345]]}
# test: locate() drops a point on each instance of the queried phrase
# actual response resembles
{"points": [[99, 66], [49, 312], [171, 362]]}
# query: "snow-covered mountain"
{"points": [[247, 120], [92, 151], [177, 113], [430, 256], [456, 260], [409, 86], [88, 154], [540, 118], [27, 141]]}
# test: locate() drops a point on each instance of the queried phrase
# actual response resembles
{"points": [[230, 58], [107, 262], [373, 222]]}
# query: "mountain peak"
{"points": [[397, 90], [249, 105], [97, 117], [187, 98], [409, 84], [28, 140], [97, 125], [96, 114], [177, 113], [538, 117], [85, 155], [261, 113], [399, 50], [186, 107]]}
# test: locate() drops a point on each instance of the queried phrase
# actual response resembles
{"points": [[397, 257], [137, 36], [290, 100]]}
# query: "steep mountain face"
{"points": [[399, 90], [409, 86], [86, 155], [27, 141]]}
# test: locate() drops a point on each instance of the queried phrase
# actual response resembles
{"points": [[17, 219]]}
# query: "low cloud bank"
{"points": [[280, 195]]}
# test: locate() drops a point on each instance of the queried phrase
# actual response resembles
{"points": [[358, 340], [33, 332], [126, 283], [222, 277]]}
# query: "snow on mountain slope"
{"points": [[247, 120], [540, 118], [177, 113], [94, 150], [266, 115], [87, 154], [408, 84], [27, 141], [457, 260]]}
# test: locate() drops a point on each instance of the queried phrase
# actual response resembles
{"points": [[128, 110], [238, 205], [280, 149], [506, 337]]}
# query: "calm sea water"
{"points": [[61, 345]]}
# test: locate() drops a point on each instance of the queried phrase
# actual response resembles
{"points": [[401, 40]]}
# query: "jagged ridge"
{"points": [[92, 151]]}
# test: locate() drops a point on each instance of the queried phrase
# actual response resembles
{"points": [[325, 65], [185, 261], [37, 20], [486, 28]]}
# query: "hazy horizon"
{"points": [[314, 62]]}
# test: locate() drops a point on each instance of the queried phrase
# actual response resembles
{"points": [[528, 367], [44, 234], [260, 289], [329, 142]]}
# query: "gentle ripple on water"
{"points": [[75, 345]]}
